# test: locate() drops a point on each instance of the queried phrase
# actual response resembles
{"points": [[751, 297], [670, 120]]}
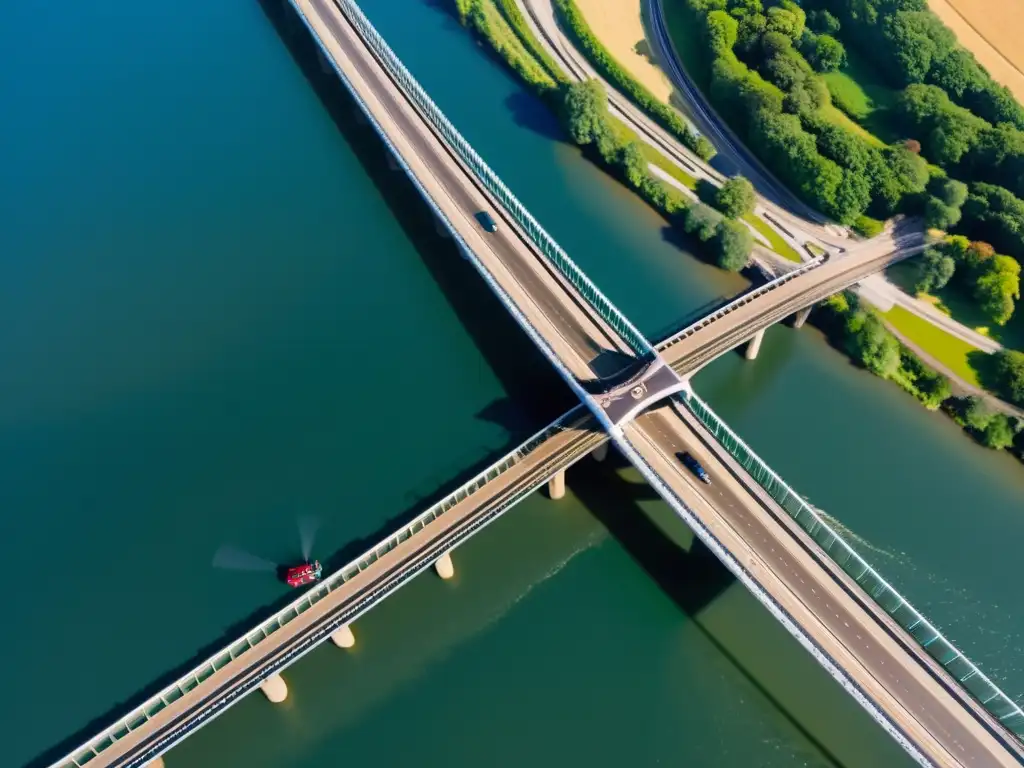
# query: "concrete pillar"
{"points": [[274, 688], [601, 452], [754, 345], [556, 486], [156, 762], [343, 637], [444, 567], [801, 317]]}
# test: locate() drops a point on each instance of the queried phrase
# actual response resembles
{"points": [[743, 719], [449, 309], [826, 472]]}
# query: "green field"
{"points": [[947, 349], [859, 91]]}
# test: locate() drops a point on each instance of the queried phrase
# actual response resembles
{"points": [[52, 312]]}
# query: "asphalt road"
{"points": [[508, 246], [923, 707]]}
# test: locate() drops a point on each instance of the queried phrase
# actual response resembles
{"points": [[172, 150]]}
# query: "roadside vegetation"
{"points": [[573, 21], [583, 110], [861, 332], [777, 71]]}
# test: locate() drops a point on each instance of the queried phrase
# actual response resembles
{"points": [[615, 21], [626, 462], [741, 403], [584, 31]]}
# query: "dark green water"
{"points": [[221, 314]]}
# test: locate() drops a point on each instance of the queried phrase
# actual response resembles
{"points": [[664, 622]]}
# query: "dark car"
{"points": [[694, 466], [487, 221]]}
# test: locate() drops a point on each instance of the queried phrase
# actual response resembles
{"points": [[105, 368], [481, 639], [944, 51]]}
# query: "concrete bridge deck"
{"points": [[860, 644], [142, 740]]}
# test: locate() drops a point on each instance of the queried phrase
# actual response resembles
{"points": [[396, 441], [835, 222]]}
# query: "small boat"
{"points": [[300, 575]]}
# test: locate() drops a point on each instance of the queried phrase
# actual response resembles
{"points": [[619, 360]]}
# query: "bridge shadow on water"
{"points": [[525, 375], [691, 576]]}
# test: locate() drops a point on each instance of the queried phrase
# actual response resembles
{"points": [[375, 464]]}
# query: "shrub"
{"points": [[736, 198]]}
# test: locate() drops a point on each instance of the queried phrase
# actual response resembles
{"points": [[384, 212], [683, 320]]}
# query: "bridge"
{"points": [[920, 688]]}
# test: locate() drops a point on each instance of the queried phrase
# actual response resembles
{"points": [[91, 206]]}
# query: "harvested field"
{"points": [[616, 23], [992, 30]]}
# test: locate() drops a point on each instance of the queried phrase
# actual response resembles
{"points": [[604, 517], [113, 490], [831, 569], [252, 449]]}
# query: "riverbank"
{"points": [[865, 335]]}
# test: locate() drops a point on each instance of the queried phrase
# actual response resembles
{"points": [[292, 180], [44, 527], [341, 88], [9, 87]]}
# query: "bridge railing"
{"points": [[544, 242], [194, 677], [967, 675], [739, 302]]}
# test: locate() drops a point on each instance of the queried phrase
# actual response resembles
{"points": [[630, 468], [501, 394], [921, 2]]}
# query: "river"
{"points": [[224, 317]]}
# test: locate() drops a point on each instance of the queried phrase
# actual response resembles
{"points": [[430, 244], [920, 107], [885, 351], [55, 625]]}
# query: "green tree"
{"points": [[827, 54], [823, 22], [999, 433], [633, 164], [734, 243], [871, 344], [1009, 372], [702, 221], [997, 287], [585, 108], [938, 215], [736, 198], [935, 269]]}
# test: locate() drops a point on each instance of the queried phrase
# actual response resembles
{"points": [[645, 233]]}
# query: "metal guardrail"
{"points": [[194, 677], [968, 676], [721, 312], [544, 242]]}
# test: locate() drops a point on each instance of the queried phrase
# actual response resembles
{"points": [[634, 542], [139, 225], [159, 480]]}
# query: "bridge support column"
{"points": [[801, 317], [556, 486], [601, 452], [274, 688], [156, 762], [444, 566], [343, 637], [754, 345]]}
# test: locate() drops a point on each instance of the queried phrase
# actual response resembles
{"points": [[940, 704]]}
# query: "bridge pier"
{"points": [[156, 762], [601, 452], [556, 486], [343, 637], [444, 566], [274, 688], [801, 317], [754, 345]]}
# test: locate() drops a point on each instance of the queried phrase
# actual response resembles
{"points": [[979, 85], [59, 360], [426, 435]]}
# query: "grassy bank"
{"points": [[952, 352], [860, 332]]}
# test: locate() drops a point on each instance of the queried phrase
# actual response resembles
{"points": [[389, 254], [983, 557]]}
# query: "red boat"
{"points": [[300, 575]]}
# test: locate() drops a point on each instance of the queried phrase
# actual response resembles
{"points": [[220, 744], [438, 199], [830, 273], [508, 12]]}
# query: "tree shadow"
{"points": [[531, 113], [985, 365], [643, 49]]}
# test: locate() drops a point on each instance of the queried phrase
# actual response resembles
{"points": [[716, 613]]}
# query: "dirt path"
{"points": [[617, 24], [991, 30]]}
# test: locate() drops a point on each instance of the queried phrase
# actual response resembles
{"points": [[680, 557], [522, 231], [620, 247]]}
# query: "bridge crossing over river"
{"points": [[920, 688]]}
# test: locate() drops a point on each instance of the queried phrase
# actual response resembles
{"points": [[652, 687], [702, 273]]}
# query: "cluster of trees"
{"points": [[864, 336], [989, 427], [914, 46], [599, 56], [585, 113], [764, 80], [1009, 375], [992, 279]]}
